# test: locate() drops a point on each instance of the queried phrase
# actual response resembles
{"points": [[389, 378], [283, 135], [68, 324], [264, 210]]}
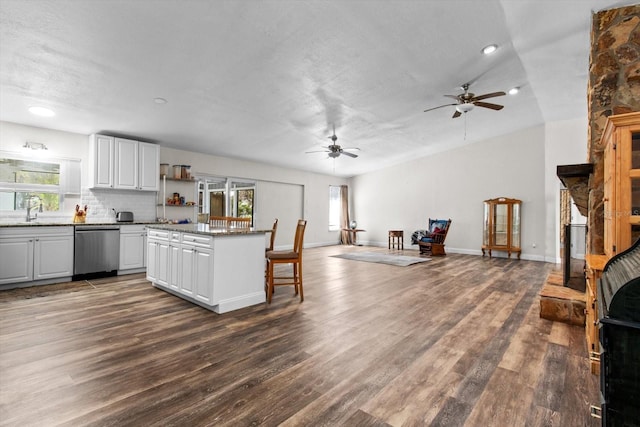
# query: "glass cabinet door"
{"points": [[501, 215], [487, 225], [515, 226]]}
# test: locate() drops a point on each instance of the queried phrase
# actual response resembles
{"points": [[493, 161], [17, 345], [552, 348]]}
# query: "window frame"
{"points": [[335, 205], [61, 189]]}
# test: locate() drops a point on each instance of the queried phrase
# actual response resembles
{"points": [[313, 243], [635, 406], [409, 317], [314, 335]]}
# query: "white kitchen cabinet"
{"points": [[163, 263], [149, 167], [152, 259], [132, 248], [197, 267], [53, 255], [35, 254], [219, 271], [126, 164], [158, 257], [123, 164], [175, 266], [203, 275], [101, 161], [16, 260], [187, 257]]}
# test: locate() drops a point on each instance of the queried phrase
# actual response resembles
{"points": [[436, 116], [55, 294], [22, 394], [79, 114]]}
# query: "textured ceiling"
{"points": [[268, 80]]}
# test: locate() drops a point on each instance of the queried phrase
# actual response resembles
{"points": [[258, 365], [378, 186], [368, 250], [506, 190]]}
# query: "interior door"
{"points": [[216, 204]]}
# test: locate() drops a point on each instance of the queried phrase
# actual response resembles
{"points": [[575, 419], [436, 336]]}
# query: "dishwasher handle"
{"points": [[80, 229]]}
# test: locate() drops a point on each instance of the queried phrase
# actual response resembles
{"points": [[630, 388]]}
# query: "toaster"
{"points": [[124, 216]]}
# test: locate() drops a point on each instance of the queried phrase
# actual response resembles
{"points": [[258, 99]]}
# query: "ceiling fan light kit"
{"points": [[334, 150], [464, 108]]}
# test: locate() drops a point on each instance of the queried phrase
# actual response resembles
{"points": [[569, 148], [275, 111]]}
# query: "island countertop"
{"points": [[200, 228]]}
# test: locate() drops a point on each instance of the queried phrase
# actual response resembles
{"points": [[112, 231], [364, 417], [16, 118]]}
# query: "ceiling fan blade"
{"points": [[488, 95], [489, 105], [456, 114], [317, 151], [435, 108], [350, 148], [346, 153]]}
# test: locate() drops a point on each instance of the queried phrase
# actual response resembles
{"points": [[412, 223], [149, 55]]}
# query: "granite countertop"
{"points": [[200, 228], [45, 223]]}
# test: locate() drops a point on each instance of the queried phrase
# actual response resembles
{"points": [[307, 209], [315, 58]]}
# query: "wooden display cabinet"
{"points": [[501, 230], [594, 264], [621, 139]]}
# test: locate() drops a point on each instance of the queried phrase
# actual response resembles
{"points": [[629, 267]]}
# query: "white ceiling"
{"points": [[267, 80]]}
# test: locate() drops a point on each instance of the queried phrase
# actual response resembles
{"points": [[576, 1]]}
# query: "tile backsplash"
{"points": [[102, 203]]}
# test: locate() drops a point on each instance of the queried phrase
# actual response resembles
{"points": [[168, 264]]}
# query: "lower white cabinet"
{"points": [[35, 253], [175, 267], [220, 273], [132, 247], [158, 256], [197, 266]]}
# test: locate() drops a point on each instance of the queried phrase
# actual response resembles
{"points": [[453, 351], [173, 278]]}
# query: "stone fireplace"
{"points": [[614, 88]]}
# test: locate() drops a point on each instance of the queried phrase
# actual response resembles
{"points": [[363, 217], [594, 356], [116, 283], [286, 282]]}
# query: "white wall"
{"points": [[60, 144], [454, 184]]}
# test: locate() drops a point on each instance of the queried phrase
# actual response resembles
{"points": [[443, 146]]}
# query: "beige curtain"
{"points": [[345, 236]]}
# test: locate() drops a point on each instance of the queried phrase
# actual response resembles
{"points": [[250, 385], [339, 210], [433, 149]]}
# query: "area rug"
{"points": [[380, 258]]}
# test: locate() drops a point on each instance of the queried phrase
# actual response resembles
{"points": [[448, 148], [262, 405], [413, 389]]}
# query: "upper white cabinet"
{"points": [[148, 167], [101, 165], [126, 164], [123, 164]]}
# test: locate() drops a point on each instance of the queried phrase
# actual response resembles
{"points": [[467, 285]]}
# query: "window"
{"points": [[334, 208], [226, 197], [37, 185]]}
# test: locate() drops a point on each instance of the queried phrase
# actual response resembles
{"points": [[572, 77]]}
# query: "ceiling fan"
{"points": [[466, 101], [334, 150]]}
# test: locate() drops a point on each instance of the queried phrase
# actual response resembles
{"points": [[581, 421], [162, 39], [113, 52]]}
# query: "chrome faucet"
{"points": [[30, 206]]}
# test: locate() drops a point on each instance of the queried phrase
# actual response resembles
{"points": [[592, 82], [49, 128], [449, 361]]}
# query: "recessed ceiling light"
{"points": [[514, 90], [41, 111], [159, 100], [488, 50]]}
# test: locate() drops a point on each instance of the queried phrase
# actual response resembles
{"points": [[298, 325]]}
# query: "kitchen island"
{"points": [[220, 269]]}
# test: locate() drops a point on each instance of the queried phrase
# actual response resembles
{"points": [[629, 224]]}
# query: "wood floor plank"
{"points": [[504, 401], [456, 340]]}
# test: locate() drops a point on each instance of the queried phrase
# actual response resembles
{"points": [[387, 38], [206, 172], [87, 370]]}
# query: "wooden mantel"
{"points": [[576, 179]]}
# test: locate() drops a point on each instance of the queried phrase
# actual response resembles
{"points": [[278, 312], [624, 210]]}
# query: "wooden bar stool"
{"points": [[396, 236]]}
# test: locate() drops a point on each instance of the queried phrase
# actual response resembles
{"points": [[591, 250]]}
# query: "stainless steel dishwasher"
{"points": [[97, 249]]}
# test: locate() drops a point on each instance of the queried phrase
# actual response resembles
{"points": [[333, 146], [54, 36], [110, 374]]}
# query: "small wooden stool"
{"points": [[396, 235]]}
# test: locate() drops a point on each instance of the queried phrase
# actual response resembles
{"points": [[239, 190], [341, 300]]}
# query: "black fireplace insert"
{"points": [[619, 311]]}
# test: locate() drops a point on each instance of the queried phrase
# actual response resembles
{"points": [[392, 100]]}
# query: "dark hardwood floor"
{"points": [[455, 341]]}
